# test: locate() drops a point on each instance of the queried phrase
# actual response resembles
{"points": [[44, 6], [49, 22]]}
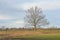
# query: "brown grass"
{"points": [[21, 33]]}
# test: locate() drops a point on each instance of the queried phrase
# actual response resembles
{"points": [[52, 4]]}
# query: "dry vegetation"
{"points": [[27, 32]]}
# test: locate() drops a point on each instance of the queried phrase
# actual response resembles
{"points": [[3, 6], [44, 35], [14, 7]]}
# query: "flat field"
{"points": [[41, 34]]}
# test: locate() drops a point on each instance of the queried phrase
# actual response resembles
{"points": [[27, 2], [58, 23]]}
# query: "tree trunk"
{"points": [[34, 27]]}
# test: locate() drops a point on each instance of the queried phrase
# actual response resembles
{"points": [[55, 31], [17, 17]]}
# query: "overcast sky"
{"points": [[12, 12]]}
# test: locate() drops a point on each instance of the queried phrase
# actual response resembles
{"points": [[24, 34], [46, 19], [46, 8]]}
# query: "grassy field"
{"points": [[42, 34]]}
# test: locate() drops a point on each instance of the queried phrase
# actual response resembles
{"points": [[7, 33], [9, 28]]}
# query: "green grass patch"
{"points": [[40, 37]]}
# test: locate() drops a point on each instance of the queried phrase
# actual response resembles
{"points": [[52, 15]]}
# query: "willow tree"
{"points": [[35, 17]]}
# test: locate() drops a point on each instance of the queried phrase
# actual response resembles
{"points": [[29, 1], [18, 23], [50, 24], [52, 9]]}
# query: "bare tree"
{"points": [[34, 17]]}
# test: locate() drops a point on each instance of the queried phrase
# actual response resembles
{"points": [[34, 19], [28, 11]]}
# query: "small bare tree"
{"points": [[35, 17]]}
